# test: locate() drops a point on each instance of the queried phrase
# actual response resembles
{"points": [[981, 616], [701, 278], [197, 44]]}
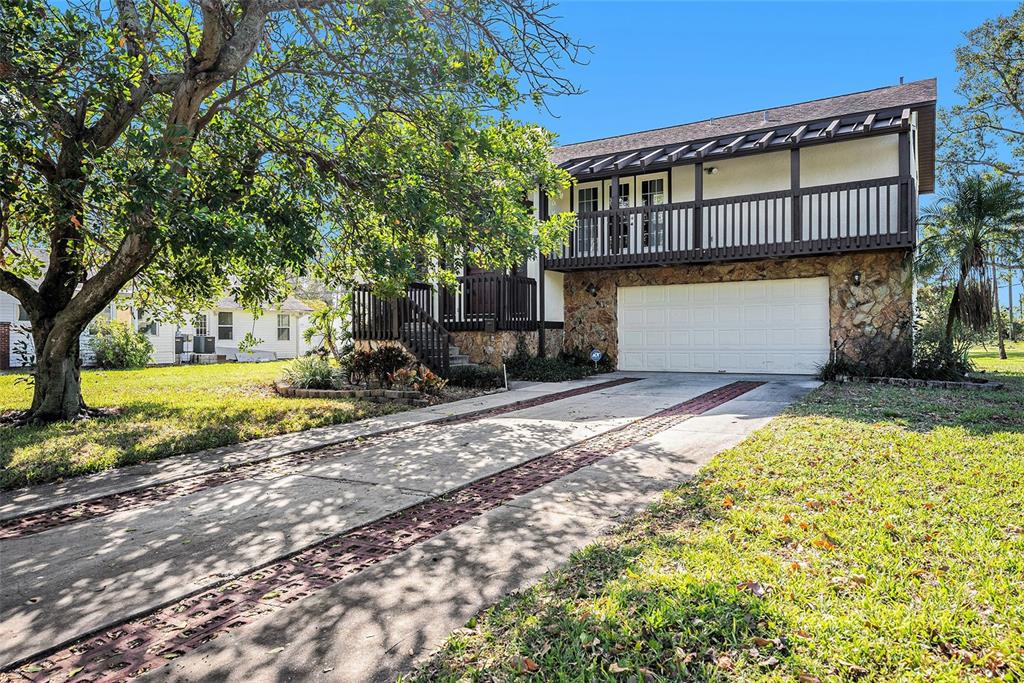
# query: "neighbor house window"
{"points": [[22, 314], [284, 327], [225, 325], [201, 326], [145, 326]]}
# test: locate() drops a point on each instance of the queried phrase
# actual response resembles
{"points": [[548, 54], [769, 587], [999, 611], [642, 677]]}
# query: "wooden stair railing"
{"points": [[404, 319]]}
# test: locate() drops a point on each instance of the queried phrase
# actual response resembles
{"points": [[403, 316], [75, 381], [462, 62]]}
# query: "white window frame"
{"points": [[229, 325], [286, 328], [201, 325], [149, 327]]}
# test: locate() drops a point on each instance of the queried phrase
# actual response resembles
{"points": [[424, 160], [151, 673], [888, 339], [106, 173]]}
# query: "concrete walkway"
{"points": [[62, 583]]}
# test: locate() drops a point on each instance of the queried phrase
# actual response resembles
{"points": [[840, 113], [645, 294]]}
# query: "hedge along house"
{"points": [[759, 242]]}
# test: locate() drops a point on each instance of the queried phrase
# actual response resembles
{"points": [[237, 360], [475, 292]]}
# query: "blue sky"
{"points": [[662, 63]]}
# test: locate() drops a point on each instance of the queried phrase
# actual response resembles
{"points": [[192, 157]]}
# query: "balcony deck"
{"points": [[853, 216]]}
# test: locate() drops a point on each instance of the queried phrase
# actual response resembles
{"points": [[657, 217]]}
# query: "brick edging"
{"points": [[5, 346]]}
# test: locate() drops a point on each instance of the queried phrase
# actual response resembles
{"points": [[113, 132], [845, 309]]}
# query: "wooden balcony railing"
{"points": [[502, 302], [870, 214]]}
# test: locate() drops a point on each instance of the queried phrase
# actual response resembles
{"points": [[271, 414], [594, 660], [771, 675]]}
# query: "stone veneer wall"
{"points": [[872, 318], [486, 348], [491, 348]]}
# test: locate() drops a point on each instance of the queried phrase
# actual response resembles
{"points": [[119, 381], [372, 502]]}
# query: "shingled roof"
{"points": [[917, 96]]}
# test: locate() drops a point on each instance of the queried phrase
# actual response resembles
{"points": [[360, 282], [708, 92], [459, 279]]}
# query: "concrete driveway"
{"points": [[66, 582]]}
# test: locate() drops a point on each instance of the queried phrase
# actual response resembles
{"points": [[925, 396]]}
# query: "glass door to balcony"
{"points": [[652, 193]]}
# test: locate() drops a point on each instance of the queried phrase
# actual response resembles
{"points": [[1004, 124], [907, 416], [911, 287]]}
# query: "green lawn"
{"points": [[165, 411], [872, 533]]}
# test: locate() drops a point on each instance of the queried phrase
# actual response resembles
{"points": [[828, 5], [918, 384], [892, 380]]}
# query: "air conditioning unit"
{"points": [[202, 344]]}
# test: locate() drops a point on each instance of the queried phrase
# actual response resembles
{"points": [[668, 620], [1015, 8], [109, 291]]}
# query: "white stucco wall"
{"points": [[747, 175], [850, 160]]}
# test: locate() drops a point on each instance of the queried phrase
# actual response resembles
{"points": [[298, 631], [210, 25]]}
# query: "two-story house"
{"points": [[757, 242]]}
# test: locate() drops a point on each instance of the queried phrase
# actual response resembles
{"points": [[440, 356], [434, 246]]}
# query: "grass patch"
{"points": [[165, 411], [871, 533]]}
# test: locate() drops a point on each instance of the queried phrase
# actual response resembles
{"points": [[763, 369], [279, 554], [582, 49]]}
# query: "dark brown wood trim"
{"points": [[794, 186]]}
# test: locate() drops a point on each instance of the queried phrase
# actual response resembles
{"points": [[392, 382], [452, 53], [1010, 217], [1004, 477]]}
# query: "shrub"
{"points": [[118, 347], [429, 383], [582, 358], [931, 359], [310, 372], [379, 364], [475, 377], [547, 370], [571, 364]]}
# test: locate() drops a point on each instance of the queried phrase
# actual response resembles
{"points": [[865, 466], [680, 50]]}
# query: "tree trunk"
{"points": [[1009, 284], [58, 375], [999, 317], [951, 315]]}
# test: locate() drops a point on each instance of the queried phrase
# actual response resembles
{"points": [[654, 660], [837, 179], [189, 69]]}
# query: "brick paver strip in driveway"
{"points": [[36, 522], [148, 642]]}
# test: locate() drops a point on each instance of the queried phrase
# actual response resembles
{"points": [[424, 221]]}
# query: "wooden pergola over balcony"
{"points": [[877, 213]]}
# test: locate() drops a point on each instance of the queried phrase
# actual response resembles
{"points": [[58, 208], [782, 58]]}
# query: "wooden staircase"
{"points": [[409, 321]]}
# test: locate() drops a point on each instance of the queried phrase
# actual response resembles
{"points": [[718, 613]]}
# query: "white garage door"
{"points": [[776, 326]]}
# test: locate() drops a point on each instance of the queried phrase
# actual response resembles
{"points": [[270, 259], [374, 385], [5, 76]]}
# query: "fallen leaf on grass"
{"points": [[615, 668], [823, 543], [762, 642], [854, 669], [530, 665], [786, 519], [725, 663], [727, 502], [752, 587], [808, 678]]}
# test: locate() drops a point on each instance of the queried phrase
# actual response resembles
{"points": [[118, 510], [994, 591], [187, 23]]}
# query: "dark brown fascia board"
{"points": [[691, 157]]}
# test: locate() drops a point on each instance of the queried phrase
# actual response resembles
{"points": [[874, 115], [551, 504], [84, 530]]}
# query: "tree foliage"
{"points": [[971, 223], [191, 146], [986, 129]]}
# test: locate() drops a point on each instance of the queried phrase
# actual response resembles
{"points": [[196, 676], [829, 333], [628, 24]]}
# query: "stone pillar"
{"points": [[5, 346]]}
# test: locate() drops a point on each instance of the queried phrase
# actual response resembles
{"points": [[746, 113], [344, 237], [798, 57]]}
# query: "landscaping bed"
{"points": [[872, 532]]}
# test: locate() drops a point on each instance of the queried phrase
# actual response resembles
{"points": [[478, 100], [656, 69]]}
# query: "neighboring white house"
{"points": [[279, 332]]}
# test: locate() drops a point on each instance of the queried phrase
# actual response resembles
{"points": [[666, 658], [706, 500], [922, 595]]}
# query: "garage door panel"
{"points": [[632, 317], [756, 326], [703, 338]]}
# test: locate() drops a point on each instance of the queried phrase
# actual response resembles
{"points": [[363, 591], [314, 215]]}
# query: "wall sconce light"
{"points": [[592, 289], [711, 170], [856, 278]]}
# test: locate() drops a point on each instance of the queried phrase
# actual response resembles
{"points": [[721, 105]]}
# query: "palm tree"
{"points": [[963, 231]]}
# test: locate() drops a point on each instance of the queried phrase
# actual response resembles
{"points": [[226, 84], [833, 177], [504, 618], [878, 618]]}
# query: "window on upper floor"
{"points": [[624, 189], [225, 325], [284, 327], [652, 192], [201, 325], [588, 199]]}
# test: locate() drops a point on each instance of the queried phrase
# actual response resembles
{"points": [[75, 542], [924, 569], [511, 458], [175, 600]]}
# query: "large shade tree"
{"points": [[184, 146]]}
